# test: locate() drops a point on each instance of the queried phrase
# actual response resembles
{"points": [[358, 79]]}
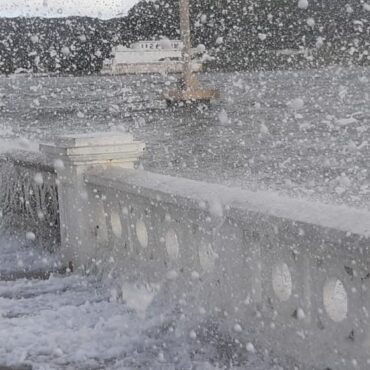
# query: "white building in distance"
{"points": [[163, 56]]}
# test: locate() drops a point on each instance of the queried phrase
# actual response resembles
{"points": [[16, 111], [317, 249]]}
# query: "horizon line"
{"points": [[56, 16]]}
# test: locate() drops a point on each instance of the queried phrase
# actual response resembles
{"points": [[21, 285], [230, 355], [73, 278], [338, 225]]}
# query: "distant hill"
{"points": [[72, 45], [243, 34], [240, 34]]}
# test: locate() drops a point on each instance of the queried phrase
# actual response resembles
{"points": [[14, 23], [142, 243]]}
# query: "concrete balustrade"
{"points": [[287, 275], [29, 197]]}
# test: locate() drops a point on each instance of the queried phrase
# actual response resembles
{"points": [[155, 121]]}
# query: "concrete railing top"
{"points": [[91, 149], [219, 199], [96, 139]]}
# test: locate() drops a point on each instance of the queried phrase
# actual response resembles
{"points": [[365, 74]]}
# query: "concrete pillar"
{"points": [[72, 156]]}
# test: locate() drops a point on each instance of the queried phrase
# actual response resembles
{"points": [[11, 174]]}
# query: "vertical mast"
{"points": [[190, 89], [186, 39]]}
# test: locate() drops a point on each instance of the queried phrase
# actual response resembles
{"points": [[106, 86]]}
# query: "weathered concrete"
{"points": [[294, 272]]}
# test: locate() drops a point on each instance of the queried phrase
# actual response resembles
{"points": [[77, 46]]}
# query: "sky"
{"points": [[62, 8]]}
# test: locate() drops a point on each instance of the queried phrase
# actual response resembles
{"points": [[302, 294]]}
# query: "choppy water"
{"points": [[304, 133]]}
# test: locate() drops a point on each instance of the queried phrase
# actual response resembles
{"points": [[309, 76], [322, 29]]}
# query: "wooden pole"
{"points": [[190, 89], [186, 39]]}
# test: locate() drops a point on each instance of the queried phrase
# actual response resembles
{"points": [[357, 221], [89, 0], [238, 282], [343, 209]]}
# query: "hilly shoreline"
{"points": [[239, 36]]}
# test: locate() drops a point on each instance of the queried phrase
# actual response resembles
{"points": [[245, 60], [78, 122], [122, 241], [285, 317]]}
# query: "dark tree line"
{"points": [[69, 45], [239, 34]]}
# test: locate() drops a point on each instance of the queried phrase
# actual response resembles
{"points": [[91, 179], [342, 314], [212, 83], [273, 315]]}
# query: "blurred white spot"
{"points": [[201, 48], [302, 4], [282, 281], [311, 22], [340, 190], [34, 39], [344, 181], [30, 235], [219, 40], [250, 348], [58, 352], [116, 224], [38, 178], [202, 310], [24, 142], [160, 357], [346, 121], [142, 233], [139, 297], [223, 117], [238, 328], [58, 164], [207, 257], [295, 104], [335, 300], [202, 204], [65, 50], [264, 129], [192, 334], [172, 244], [349, 9], [84, 195], [216, 208], [300, 314], [319, 42], [165, 43], [172, 275]]}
